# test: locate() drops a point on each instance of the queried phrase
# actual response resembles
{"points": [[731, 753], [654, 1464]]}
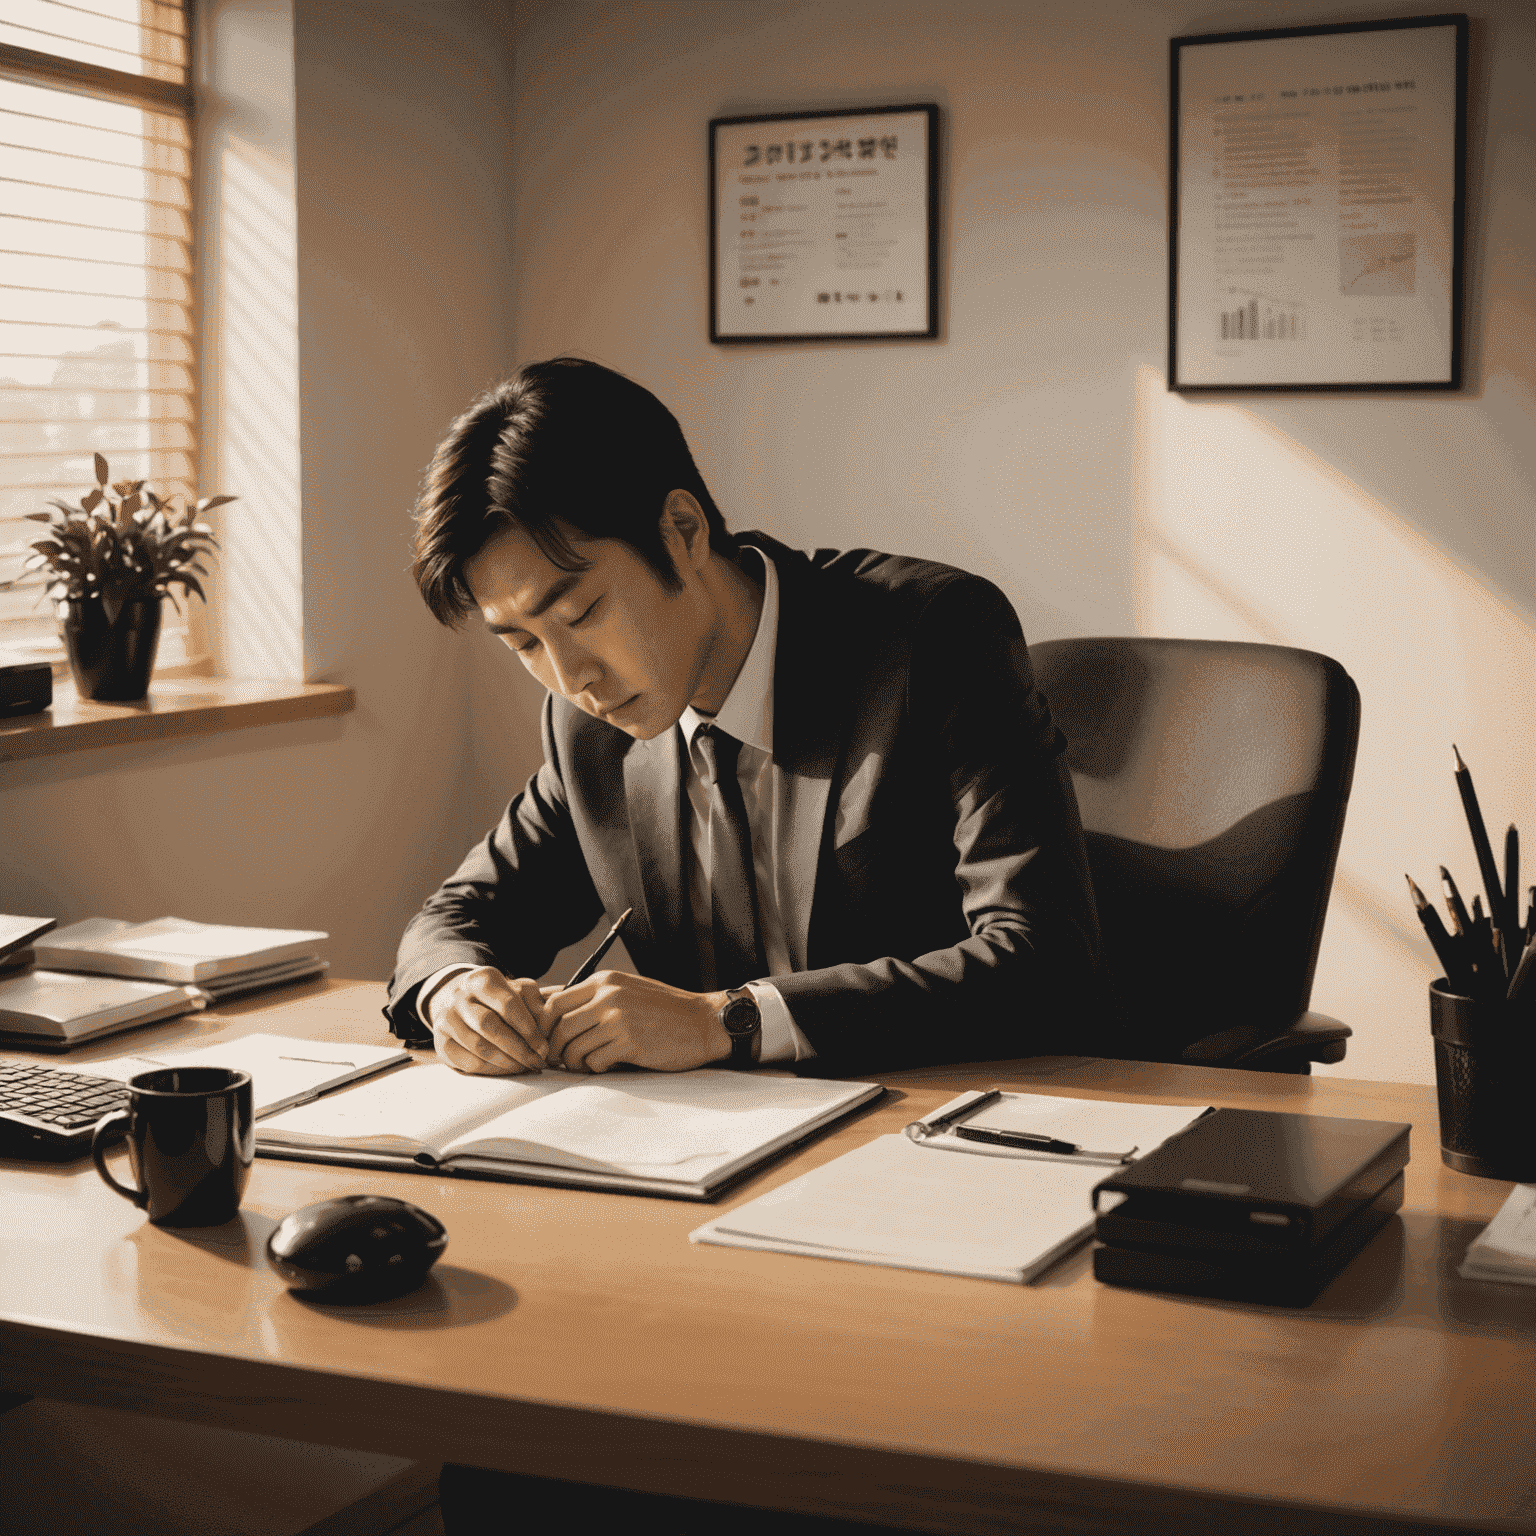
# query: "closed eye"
{"points": [[583, 617]]}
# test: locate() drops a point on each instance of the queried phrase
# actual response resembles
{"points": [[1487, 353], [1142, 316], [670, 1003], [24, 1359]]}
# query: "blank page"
{"points": [[683, 1124], [420, 1107], [893, 1202]]}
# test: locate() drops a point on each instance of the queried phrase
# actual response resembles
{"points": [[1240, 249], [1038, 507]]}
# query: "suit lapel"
{"points": [[653, 791], [807, 739]]}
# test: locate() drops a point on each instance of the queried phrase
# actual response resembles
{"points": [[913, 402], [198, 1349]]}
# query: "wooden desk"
{"points": [[580, 1335]]}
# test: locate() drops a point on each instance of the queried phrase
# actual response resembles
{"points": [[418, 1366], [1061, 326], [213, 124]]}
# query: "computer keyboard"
{"points": [[48, 1113]]}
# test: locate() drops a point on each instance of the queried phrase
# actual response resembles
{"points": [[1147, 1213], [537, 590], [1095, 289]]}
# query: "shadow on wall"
{"points": [[1244, 534]]}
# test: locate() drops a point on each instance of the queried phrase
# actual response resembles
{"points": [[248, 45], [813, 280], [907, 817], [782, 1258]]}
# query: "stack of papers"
{"points": [[950, 1206], [284, 1071], [221, 960], [1506, 1247]]}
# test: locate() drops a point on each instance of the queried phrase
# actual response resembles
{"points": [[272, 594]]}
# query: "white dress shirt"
{"points": [[746, 714]]}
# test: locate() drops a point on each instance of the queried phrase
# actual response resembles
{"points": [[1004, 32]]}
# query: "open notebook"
{"points": [[684, 1134]]}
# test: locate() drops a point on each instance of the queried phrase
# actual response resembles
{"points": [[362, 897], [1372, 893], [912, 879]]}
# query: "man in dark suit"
{"points": [[826, 785]]}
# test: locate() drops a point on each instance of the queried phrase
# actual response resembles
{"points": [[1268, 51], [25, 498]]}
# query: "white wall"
{"points": [[1035, 441], [476, 186], [399, 251]]}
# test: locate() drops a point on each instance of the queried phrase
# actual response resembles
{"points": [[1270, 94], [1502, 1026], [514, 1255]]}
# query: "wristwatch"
{"points": [[742, 1022]]}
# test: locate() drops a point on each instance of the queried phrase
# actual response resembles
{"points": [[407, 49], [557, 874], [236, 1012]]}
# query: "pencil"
{"points": [[1446, 948], [1485, 944], [1480, 844], [1514, 938], [592, 961], [1521, 982], [1460, 922]]}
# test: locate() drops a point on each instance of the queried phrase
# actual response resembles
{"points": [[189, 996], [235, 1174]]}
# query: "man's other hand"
{"points": [[614, 1016], [483, 1023]]}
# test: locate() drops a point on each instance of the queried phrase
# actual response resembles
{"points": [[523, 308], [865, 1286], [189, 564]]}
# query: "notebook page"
{"points": [[420, 1107], [889, 1202], [682, 1124]]}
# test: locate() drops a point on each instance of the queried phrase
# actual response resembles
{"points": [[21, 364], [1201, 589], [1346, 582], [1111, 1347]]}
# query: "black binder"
{"points": [[1250, 1205]]}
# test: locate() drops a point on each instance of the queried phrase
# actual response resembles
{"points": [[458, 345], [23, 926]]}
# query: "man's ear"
{"points": [[682, 519]]}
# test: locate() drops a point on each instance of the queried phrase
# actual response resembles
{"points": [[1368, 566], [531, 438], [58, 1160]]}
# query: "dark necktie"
{"points": [[732, 887]]}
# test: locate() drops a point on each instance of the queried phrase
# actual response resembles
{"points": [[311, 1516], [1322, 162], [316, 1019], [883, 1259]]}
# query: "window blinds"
{"points": [[96, 320]]}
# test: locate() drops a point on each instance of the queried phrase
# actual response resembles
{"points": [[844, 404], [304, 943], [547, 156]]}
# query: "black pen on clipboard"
{"points": [[1024, 1141]]}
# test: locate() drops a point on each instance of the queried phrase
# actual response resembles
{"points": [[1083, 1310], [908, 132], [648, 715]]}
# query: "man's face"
{"points": [[611, 638]]}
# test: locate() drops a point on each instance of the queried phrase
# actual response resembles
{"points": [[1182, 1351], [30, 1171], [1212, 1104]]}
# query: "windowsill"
{"points": [[176, 707]]}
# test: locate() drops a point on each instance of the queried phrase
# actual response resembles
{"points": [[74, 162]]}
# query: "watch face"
{"points": [[740, 1016]]}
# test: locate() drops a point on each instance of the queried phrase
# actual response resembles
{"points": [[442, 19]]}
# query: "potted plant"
{"points": [[113, 558]]}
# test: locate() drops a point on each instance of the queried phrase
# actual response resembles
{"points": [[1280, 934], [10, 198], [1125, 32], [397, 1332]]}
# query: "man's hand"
{"points": [[614, 1017], [483, 1023]]}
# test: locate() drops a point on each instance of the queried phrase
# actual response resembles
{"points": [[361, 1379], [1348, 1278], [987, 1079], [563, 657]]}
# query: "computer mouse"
{"points": [[356, 1248]]}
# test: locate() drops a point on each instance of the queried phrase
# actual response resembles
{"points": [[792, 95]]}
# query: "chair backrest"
{"points": [[1212, 778]]}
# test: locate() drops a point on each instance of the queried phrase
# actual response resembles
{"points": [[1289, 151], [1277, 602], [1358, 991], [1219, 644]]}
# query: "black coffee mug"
{"points": [[191, 1140]]}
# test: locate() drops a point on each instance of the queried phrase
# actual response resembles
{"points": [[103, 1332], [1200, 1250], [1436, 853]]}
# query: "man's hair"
{"points": [[567, 440]]}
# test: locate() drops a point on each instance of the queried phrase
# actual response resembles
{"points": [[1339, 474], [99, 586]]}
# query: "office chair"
{"points": [[1212, 778]]}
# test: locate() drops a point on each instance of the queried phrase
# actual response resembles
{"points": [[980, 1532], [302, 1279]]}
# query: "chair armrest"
{"points": [[1256, 1048]]}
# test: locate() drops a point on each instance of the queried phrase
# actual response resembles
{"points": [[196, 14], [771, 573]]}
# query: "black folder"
{"points": [[1250, 1204]]}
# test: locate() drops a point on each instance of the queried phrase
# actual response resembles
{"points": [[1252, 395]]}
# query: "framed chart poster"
{"points": [[1316, 188], [823, 226]]}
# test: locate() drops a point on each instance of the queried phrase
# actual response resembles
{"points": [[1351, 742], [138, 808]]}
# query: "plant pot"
{"points": [[111, 658]]}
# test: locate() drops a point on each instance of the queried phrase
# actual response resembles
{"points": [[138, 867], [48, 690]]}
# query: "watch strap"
{"points": [[741, 1005]]}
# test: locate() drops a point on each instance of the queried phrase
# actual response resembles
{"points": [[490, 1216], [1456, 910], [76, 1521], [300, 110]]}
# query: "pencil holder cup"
{"points": [[1485, 1071]]}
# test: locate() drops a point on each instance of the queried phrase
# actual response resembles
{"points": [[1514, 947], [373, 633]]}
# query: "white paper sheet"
{"points": [[892, 1202]]}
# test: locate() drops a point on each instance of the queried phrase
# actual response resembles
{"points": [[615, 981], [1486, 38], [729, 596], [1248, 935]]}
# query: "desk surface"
{"points": [[580, 1335]]}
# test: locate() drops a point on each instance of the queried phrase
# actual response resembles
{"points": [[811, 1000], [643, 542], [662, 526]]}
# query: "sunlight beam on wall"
{"points": [[1245, 534], [261, 562]]}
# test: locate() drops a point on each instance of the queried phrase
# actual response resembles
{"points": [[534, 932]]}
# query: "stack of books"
{"points": [[219, 960], [62, 988]]}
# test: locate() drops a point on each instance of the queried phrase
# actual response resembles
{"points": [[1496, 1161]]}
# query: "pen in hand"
{"points": [[591, 963]]}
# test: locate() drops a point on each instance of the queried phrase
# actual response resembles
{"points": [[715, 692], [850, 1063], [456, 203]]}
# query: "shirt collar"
{"points": [[747, 713]]}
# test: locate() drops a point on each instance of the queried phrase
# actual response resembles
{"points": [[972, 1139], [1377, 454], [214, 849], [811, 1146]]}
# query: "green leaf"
{"points": [[190, 583], [213, 501], [101, 470], [90, 500], [39, 517]]}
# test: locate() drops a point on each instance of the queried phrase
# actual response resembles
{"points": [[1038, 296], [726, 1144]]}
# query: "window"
{"points": [[97, 334]]}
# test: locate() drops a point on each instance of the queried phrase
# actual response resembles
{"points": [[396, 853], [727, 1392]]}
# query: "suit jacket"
{"points": [[939, 906]]}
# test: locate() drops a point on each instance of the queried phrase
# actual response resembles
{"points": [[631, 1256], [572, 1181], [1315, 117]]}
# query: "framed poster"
{"points": [[823, 226], [1316, 188]]}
